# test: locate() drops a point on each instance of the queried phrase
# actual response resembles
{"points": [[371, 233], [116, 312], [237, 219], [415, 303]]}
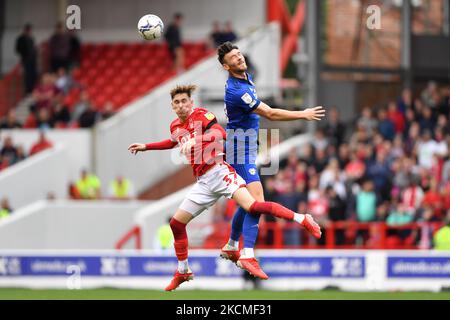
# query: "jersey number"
{"points": [[230, 178]]}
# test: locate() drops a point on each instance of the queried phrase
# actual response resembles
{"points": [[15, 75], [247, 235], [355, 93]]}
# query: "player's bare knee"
{"points": [[256, 191], [259, 197], [243, 198], [248, 205]]}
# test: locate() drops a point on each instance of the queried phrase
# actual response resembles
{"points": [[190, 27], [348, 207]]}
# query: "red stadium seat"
{"points": [[99, 82], [92, 72], [393, 242], [116, 102], [93, 91], [100, 101], [70, 100], [127, 54], [118, 63], [122, 71], [76, 73], [109, 72], [126, 72], [118, 82], [109, 90], [102, 63]]}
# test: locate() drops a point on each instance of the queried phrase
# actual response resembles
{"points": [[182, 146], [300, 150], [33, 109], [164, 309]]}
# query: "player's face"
{"points": [[234, 61], [182, 105]]}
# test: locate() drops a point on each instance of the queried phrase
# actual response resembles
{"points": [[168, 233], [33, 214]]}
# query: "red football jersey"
{"points": [[205, 154]]}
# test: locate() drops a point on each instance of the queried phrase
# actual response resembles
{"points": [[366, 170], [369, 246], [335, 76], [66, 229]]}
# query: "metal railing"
{"points": [[352, 234]]}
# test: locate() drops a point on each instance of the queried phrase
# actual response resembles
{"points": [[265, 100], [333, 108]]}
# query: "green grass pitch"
{"points": [[125, 294]]}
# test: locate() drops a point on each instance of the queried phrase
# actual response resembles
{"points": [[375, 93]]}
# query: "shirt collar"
{"points": [[248, 80]]}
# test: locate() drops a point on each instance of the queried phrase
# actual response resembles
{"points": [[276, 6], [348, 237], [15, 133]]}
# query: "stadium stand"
{"points": [[377, 179], [109, 74], [120, 72], [406, 173]]}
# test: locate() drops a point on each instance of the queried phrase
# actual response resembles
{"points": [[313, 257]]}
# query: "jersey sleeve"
{"points": [[208, 119], [172, 136], [245, 99]]}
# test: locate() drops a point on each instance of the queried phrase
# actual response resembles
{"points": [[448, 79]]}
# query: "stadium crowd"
{"points": [[11, 153], [51, 105], [394, 166]]}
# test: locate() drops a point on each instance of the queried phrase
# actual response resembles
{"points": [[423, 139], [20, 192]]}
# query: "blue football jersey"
{"points": [[241, 100]]}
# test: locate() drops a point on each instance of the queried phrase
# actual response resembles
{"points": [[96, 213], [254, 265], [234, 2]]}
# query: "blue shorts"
{"points": [[248, 172]]}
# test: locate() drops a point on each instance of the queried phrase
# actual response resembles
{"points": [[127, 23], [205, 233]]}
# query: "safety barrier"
{"points": [[351, 270], [282, 235]]}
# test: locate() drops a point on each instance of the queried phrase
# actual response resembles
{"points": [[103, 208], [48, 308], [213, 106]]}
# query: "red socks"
{"points": [[273, 209], [181, 240]]}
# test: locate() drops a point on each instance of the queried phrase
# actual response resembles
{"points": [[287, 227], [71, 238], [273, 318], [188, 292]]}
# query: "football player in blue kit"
{"points": [[243, 109]]}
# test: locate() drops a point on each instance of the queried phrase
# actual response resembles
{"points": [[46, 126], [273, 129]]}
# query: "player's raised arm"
{"points": [[274, 114], [162, 145]]}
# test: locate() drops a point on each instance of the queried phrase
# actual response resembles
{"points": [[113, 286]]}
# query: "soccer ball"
{"points": [[150, 27]]}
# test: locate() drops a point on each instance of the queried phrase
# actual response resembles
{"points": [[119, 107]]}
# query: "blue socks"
{"points": [[237, 223], [250, 229], [246, 223]]}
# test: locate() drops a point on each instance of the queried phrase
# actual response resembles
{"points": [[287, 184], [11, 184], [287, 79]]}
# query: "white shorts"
{"points": [[221, 180]]}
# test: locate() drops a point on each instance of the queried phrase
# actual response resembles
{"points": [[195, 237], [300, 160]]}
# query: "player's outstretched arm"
{"points": [[273, 114], [162, 145], [136, 147]]}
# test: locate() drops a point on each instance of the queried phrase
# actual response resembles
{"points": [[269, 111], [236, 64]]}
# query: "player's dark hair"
{"points": [[188, 89], [223, 49]]}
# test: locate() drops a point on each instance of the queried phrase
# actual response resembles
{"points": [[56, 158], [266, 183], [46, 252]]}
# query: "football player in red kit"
{"points": [[200, 138]]}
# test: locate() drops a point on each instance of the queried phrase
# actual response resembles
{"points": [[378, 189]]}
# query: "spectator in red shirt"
{"points": [[41, 144], [45, 92], [317, 201], [446, 195], [396, 117], [355, 168], [4, 162], [432, 198], [73, 191], [294, 172], [413, 195]]}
